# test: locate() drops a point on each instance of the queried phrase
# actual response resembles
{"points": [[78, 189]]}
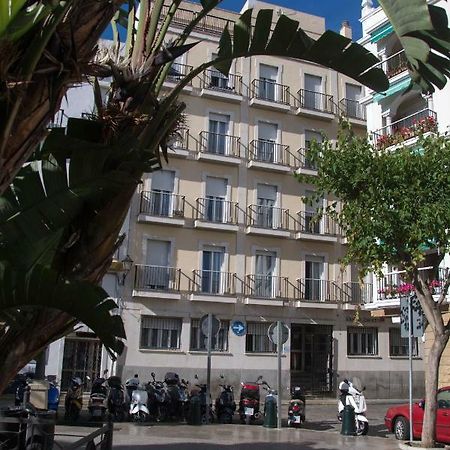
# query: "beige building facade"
{"points": [[222, 229]]}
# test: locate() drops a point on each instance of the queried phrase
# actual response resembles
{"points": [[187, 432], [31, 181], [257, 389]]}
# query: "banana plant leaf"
{"points": [[43, 288], [424, 34]]}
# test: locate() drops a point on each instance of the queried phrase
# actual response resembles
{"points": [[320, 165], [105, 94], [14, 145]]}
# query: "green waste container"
{"points": [[195, 411], [348, 421], [270, 412]]}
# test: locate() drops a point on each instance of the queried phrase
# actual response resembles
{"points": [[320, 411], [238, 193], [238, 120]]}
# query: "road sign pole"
{"points": [[279, 348], [410, 337], [208, 368]]}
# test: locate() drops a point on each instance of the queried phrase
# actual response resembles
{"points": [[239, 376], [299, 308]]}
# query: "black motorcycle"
{"points": [[225, 405], [116, 399], [297, 406], [200, 392], [158, 401]]}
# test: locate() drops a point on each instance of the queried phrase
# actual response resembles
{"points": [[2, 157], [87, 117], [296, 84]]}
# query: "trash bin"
{"points": [[195, 411], [348, 421], [270, 412], [39, 394]]}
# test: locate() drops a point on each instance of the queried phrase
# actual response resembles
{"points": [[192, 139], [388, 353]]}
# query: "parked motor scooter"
{"points": [[225, 405], [352, 394], [201, 393], [271, 398], [53, 396], [74, 400], [116, 399], [173, 397], [249, 401], [97, 399], [184, 399], [138, 405], [297, 407], [157, 399]]}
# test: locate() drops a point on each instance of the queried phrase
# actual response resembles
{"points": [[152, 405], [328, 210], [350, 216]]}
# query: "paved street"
{"points": [[320, 432]]}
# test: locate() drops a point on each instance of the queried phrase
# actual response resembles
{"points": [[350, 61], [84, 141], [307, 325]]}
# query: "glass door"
{"points": [[267, 198], [267, 139], [265, 281], [162, 184], [216, 192], [268, 76], [212, 267], [314, 278], [218, 131], [157, 272]]}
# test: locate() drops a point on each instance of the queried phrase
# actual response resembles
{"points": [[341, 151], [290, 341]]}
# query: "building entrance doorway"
{"points": [[312, 358], [82, 358]]}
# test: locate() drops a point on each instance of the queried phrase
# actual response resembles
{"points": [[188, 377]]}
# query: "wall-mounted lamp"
{"points": [[127, 264]]}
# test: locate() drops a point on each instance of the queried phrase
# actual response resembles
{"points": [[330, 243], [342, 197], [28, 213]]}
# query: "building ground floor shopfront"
{"points": [[327, 343]]}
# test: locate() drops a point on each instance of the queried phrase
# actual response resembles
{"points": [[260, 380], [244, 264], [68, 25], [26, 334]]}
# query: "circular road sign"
{"points": [[239, 328], [215, 325], [272, 333]]}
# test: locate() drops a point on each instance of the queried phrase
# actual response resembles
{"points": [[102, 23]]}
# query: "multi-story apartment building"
{"points": [[222, 229]]}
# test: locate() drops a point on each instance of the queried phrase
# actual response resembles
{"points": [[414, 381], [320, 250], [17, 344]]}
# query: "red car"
{"points": [[397, 418]]}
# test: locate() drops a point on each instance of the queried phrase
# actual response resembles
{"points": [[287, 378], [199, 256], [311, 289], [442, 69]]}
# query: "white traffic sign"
{"points": [[416, 319], [215, 325], [272, 333]]}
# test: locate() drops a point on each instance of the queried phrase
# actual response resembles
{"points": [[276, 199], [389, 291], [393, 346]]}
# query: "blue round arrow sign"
{"points": [[239, 328]]}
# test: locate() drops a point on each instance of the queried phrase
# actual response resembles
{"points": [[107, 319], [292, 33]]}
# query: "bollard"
{"points": [[348, 421], [195, 411], [270, 412]]}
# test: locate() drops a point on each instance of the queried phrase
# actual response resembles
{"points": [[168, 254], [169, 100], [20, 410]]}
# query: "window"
{"points": [[310, 137], [161, 199], [266, 200], [213, 277], [268, 76], [311, 224], [216, 192], [218, 80], [256, 339], [362, 341], [158, 274], [267, 142], [313, 98], [353, 96], [443, 399], [160, 333], [218, 131], [198, 339], [265, 281], [315, 285], [398, 346]]}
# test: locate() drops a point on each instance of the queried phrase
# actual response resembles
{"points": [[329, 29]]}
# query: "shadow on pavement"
{"points": [[247, 446]]}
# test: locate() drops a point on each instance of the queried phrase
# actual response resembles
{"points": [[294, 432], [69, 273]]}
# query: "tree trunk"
{"points": [[431, 387], [40, 365]]}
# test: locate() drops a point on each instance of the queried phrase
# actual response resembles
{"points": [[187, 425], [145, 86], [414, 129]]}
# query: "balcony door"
{"points": [[314, 278], [310, 137], [266, 200], [161, 199], [219, 125], [312, 225], [267, 140], [216, 194], [157, 274], [268, 76], [218, 80], [353, 96], [313, 90], [265, 270], [212, 280]]}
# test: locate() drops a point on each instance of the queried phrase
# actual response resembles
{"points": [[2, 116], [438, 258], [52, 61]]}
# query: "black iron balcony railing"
{"points": [[406, 128], [163, 204], [394, 64], [181, 140], [220, 144], [214, 282], [308, 223], [357, 293], [157, 278], [263, 150], [316, 101], [269, 217], [304, 161], [270, 91], [216, 209], [216, 81], [318, 290], [267, 286], [353, 109], [178, 72]]}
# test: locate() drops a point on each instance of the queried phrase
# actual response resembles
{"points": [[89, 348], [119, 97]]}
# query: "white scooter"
{"points": [[352, 394], [138, 405]]}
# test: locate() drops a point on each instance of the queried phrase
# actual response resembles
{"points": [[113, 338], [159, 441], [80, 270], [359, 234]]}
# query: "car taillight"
{"points": [[296, 408]]}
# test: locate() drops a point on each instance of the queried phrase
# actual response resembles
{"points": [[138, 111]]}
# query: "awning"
{"points": [[381, 32], [396, 87]]}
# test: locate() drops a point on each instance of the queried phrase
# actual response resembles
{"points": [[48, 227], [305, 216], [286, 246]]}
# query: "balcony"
{"points": [[268, 221], [315, 104], [357, 293], [303, 164], [353, 110], [177, 72], [394, 64], [270, 95], [266, 290], [221, 148], [405, 131], [157, 282], [392, 287], [216, 214], [180, 144], [161, 207], [215, 85], [213, 286], [268, 155], [310, 228], [317, 291]]}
